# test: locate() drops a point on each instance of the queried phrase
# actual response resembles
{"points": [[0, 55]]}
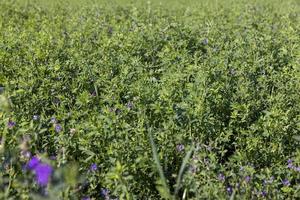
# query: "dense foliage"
{"points": [[149, 100]]}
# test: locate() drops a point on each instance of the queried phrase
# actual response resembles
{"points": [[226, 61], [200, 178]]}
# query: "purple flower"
{"points": [[247, 179], [290, 166], [86, 198], [129, 105], [58, 128], [180, 147], [53, 120], [42, 174], [42, 171], [11, 124], [35, 117], [286, 182], [104, 193], [263, 193], [33, 163], [93, 167], [221, 177], [205, 41], [229, 189]]}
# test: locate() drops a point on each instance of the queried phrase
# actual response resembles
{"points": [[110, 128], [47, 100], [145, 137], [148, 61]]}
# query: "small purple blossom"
{"points": [[221, 177], [93, 167], [247, 179], [42, 174], [53, 120], [104, 193], [11, 124], [297, 169], [86, 198], [263, 193], [286, 182], [33, 163], [290, 161], [58, 128], [180, 147], [129, 105], [229, 189], [290, 166]]}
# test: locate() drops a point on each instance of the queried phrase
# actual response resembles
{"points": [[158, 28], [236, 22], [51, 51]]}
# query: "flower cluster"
{"points": [[180, 147], [11, 124], [93, 167], [291, 165], [42, 171], [57, 127]]}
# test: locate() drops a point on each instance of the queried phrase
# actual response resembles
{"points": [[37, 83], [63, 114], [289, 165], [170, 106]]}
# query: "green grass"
{"points": [[171, 99]]}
